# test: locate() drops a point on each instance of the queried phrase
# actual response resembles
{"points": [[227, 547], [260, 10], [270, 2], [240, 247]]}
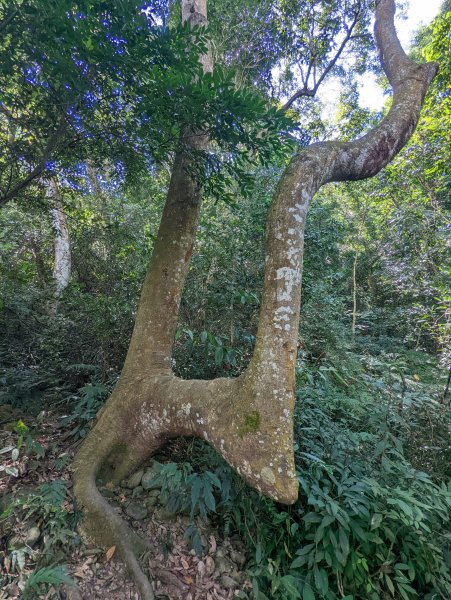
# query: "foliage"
{"points": [[368, 524], [90, 399], [34, 567], [185, 490], [25, 442], [44, 578], [119, 86], [264, 37], [47, 505], [372, 427]]}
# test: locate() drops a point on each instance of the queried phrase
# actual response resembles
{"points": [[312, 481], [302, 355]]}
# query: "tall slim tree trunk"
{"points": [[354, 295], [248, 420], [91, 172], [63, 259], [35, 247]]}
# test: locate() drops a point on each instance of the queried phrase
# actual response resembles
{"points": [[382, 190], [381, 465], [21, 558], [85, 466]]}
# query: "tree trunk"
{"points": [[63, 261], [354, 295], [93, 178], [34, 244], [248, 420]]}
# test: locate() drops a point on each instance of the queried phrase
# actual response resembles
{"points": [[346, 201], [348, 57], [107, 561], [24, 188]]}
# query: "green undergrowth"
{"points": [[373, 457], [373, 516], [40, 525]]}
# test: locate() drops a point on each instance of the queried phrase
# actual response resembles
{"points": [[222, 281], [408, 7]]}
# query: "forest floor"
{"points": [[37, 530]]}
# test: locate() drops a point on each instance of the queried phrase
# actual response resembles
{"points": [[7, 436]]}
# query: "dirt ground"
{"points": [[173, 567]]}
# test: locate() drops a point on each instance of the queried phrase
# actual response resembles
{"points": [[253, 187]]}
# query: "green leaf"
{"points": [[300, 561], [291, 584], [343, 539], [209, 498], [258, 553], [195, 492], [390, 585], [376, 520], [89, 45], [46, 576], [311, 518], [219, 354], [308, 593], [305, 549], [321, 580]]}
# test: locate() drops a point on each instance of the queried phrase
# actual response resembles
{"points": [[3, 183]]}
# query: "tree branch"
{"points": [[6, 21], [39, 169], [311, 93], [277, 336]]}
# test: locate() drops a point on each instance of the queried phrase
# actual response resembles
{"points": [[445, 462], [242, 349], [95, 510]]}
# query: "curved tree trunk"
{"points": [[248, 420]]}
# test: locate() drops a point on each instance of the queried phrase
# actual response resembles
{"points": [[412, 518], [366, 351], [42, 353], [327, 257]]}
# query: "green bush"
{"points": [[367, 525]]}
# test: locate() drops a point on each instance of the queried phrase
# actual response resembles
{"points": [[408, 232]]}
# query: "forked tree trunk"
{"points": [[248, 420]]}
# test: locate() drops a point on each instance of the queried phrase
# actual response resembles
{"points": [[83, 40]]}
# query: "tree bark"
{"points": [[91, 172], [354, 295], [248, 420], [63, 259]]}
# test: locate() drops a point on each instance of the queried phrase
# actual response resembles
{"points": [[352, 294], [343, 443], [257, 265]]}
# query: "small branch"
{"points": [[311, 93], [6, 111]]}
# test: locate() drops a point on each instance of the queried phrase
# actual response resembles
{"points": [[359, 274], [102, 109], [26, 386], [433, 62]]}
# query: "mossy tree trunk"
{"points": [[248, 420]]}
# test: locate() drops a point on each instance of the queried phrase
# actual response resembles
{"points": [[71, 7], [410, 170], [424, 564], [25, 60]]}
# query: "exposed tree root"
{"points": [[102, 524], [231, 415], [126, 541]]}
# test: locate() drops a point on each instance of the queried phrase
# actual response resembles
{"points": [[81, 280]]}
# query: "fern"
{"points": [[46, 577], [53, 493]]}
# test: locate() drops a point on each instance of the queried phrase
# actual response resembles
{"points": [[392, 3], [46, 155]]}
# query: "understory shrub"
{"points": [[368, 524]]}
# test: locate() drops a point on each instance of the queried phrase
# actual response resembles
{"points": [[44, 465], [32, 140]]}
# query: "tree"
{"points": [[248, 420], [100, 80], [62, 266]]}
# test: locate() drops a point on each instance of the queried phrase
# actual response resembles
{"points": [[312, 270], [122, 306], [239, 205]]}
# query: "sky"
{"points": [[420, 12]]}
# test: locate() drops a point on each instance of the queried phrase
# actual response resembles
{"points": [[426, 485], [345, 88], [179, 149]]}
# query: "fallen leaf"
{"points": [[210, 565], [80, 573], [110, 552], [201, 568]]}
